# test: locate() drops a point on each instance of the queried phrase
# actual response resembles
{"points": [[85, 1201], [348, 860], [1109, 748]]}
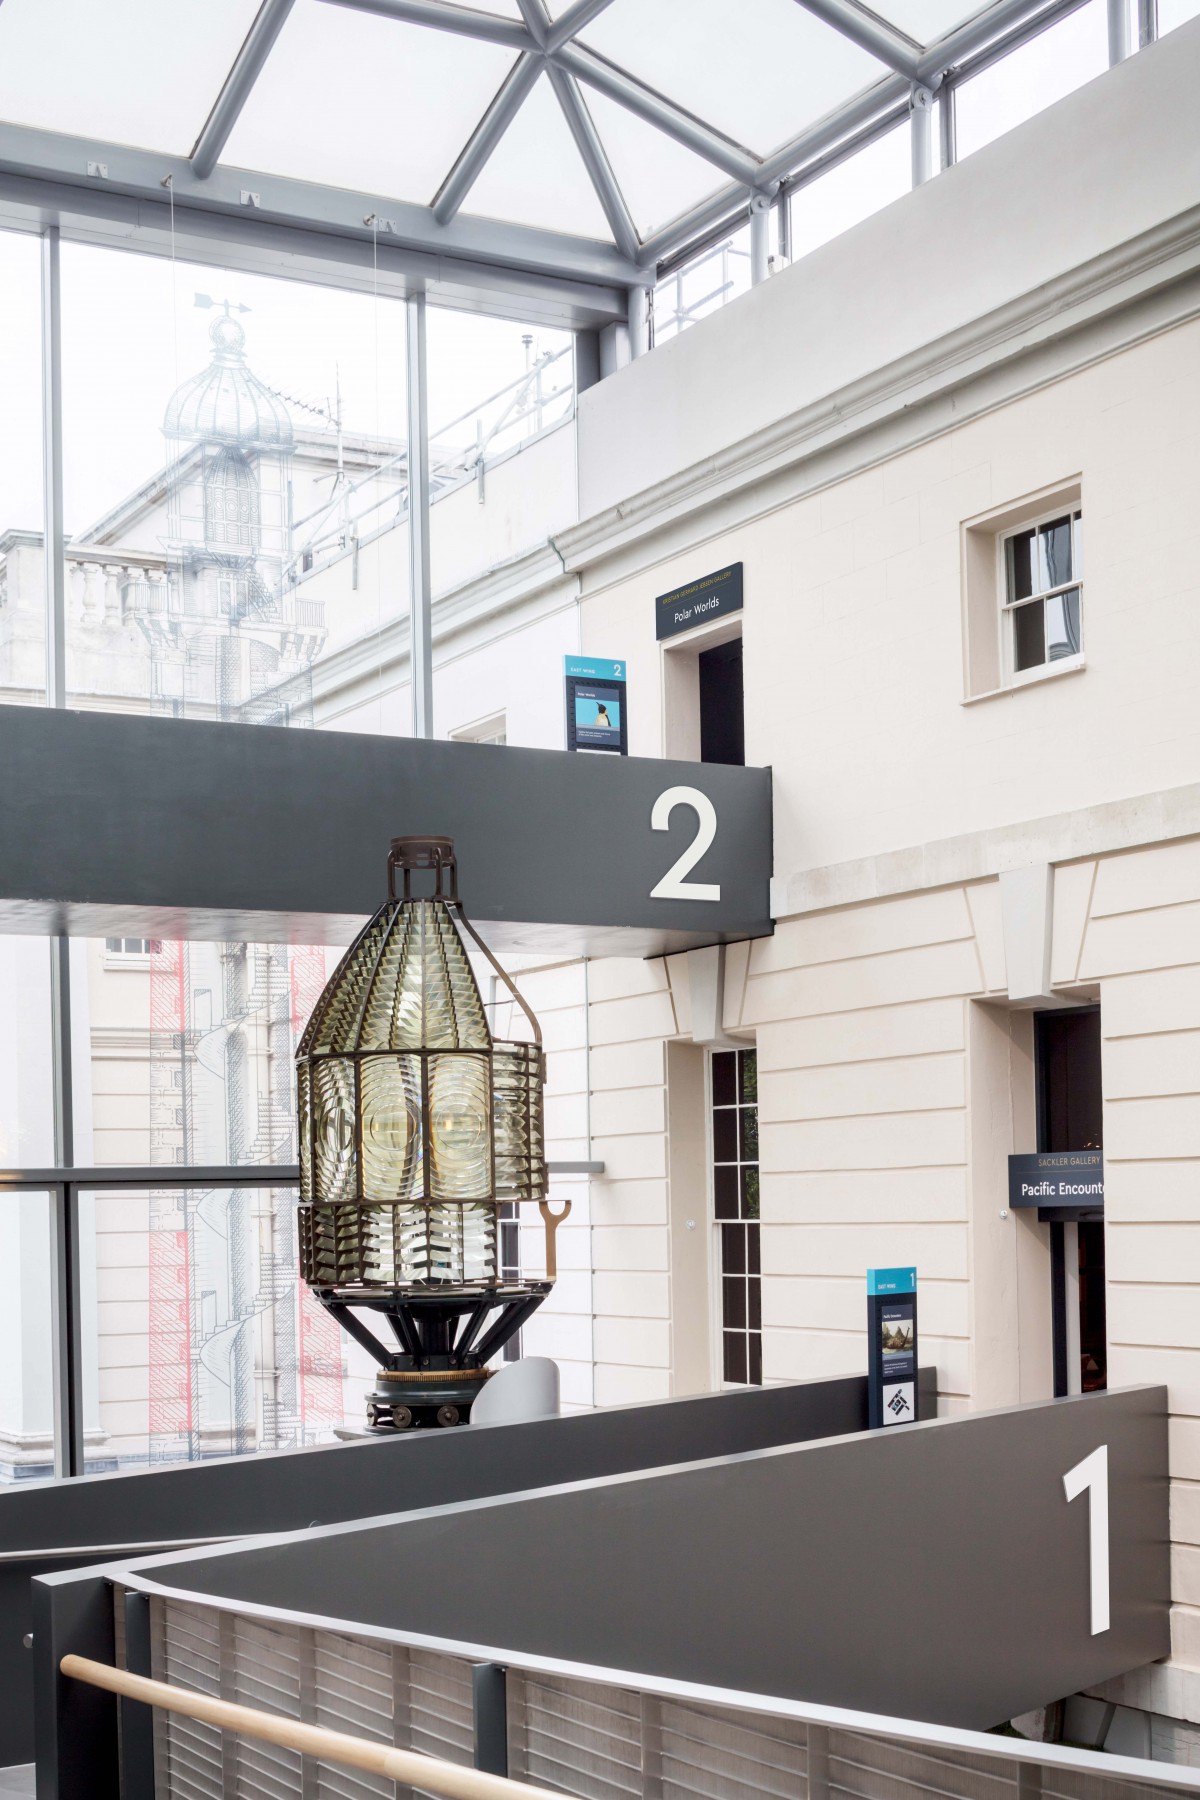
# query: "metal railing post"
{"points": [[65, 1321], [74, 1727], [420, 579], [920, 114], [760, 238], [816, 1763], [489, 1695], [52, 471], [1118, 32], [137, 1719]]}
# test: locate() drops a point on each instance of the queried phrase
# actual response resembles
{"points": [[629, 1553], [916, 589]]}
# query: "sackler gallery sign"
{"points": [[1057, 1178]]}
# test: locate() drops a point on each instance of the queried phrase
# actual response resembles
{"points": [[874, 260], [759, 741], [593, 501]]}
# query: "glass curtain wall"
{"points": [[1031, 78], [26, 1088]]}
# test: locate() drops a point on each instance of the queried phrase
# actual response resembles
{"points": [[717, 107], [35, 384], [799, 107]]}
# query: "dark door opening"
{"points": [[1071, 1117], [722, 705]]}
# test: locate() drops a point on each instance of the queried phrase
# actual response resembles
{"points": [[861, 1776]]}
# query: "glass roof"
{"points": [[354, 101], [760, 82], [131, 73], [677, 103]]}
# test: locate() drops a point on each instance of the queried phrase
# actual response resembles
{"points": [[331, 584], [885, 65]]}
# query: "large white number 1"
{"points": [[1092, 1474]]}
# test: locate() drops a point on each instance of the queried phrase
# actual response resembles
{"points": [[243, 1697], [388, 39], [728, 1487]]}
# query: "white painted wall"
{"points": [[1124, 157]]}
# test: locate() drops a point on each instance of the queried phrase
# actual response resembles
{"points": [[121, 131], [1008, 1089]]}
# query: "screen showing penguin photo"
{"points": [[597, 717]]}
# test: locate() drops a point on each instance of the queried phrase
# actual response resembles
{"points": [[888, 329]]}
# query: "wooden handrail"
{"points": [[408, 1766]]}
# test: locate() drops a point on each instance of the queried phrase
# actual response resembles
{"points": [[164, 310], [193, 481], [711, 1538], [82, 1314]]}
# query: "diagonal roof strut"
{"points": [[595, 161], [248, 64], [486, 136]]}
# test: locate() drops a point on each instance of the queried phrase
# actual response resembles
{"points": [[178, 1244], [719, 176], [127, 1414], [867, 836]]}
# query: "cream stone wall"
{"points": [[853, 625], [1138, 938]]}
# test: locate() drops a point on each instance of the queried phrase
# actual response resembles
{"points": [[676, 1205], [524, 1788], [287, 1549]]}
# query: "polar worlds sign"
{"points": [[698, 602]]}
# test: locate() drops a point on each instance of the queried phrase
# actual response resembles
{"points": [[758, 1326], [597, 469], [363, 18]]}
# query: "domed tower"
{"points": [[233, 437], [226, 637]]}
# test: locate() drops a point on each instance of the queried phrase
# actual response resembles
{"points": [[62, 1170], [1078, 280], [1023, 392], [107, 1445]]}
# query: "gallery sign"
{"points": [[891, 1347], [698, 602], [1073, 1178], [596, 716]]}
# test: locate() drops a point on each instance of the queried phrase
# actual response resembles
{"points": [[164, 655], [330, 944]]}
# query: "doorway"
{"points": [[1070, 1108], [722, 704]]}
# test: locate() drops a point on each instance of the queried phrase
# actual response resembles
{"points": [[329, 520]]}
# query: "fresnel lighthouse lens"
{"points": [[416, 1128]]}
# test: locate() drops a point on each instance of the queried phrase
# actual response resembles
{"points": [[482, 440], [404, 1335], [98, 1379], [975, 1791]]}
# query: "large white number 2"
{"points": [[673, 886], [1092, 1474]]}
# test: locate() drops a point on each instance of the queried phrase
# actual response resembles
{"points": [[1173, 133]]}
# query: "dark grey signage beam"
{"points": [[112, 824], [961, 1571]]}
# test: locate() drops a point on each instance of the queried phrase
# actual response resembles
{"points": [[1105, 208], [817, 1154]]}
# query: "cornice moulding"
{"points": [[1153, 264]]}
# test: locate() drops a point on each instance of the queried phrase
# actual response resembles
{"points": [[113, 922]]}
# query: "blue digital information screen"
{"points": [[598, 716], [596, 704]]}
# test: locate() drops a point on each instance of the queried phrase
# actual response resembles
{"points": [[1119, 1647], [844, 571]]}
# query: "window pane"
{"points": [[1054, 554], [734, 1356], [749, 1193], [1029, 648], [748, 1069], [1062, 625], [1031, 78], [27, 1344], [1019, 557], [1175, 12], [206, 1341], [733, 1249], [27, 1141], [733, 1292], [749, 1118], [851, 191], [724, 1078], [725, 1135], [754, 1359], [753, 1262], [231, 491], [725, 1193], [22, 574]]}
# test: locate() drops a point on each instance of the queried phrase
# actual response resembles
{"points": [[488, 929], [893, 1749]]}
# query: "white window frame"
{"points": [[492, 730], [716, 1270], [1007, 611]]}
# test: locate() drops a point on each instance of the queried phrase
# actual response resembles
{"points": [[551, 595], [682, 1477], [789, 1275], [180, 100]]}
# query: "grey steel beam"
{"points": [[150, 1175], [595, 161], [861, 114], [988, 26], [277, 225], [420, 589], [55, 569], [573, 20], [66, 1309], [760, 238], [462, 20], [537, 21], [1118, 32], [662, 113], [260, 39], [485, 137], [869, 32], [948, 124], [920, 125]]}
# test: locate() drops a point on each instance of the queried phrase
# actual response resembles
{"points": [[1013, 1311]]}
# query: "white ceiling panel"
{"points": [[535, 176], [352, 100], [136, 72], [658, 177], [758, 70], [925, 20]]}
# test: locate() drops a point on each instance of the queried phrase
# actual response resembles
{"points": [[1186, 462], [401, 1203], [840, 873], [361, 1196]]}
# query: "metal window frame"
{"points": [[1008, 607], [110, 193]]}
